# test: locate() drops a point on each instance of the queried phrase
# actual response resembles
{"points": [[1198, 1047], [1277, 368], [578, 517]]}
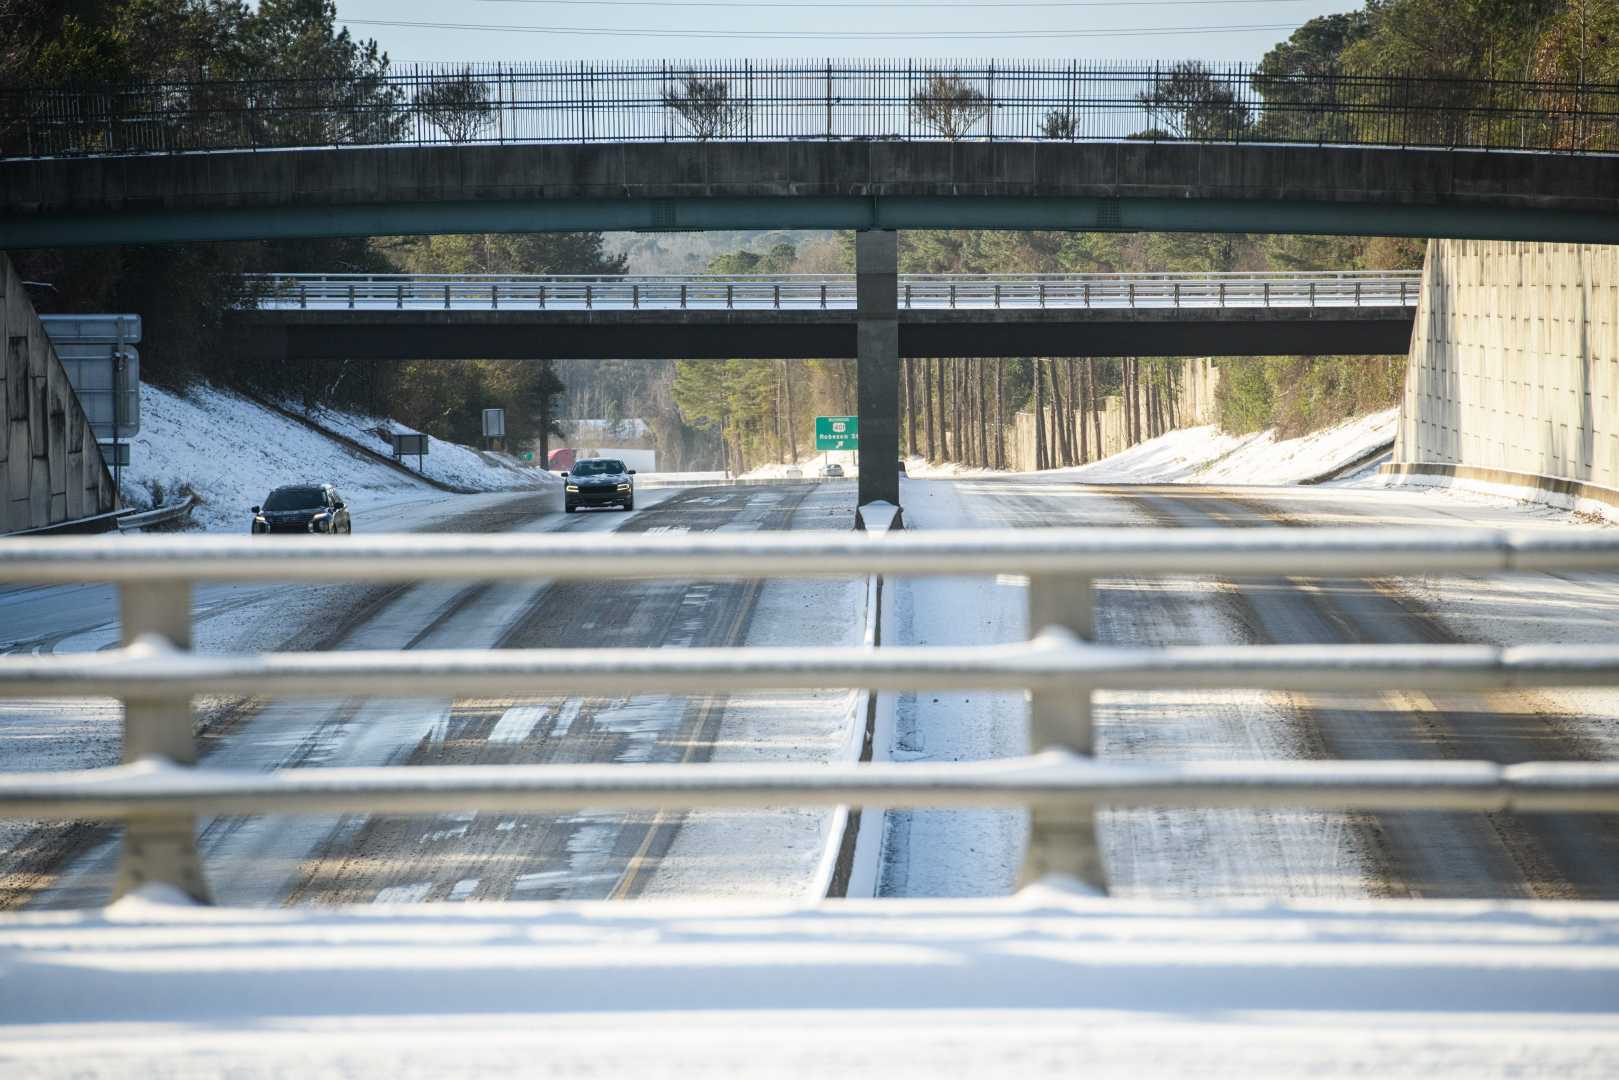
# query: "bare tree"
{"points": [[706, 105], [1059, 124], [949, 105], [457, 106]]}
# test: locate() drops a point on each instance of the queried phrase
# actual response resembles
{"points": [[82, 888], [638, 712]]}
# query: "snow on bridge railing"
{"points": [[159, 790], [798, 292]]}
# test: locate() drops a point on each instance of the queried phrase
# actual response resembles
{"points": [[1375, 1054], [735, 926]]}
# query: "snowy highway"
{"points": [[1179, 853], [1152, 853], [267, 861]]}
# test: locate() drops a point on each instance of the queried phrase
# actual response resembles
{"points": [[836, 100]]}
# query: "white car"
{"points": [[834, 469]]}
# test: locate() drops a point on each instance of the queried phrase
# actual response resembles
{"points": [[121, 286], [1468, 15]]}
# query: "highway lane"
{"points": [[1225, 852], [270, 860]]}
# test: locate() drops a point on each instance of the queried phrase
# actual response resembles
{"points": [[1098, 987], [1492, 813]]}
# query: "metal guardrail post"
{"points": [[159, 849], [590, 299], [823, 294], [635, 296], [494, 296], [399, 296], [683, 296], [446, 294], [1062, 835], [351, 296]]}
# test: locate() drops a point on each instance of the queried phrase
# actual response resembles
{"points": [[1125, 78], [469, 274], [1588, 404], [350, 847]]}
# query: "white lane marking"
{"points": [[444, 834], [404, 894], [464, 888], [569, 713], [668, 529], [517, 723]]}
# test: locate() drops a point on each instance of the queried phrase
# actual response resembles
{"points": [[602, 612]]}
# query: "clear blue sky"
{"points": [[712, 29]]}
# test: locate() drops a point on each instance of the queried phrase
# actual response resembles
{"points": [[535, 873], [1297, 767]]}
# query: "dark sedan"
{"points": [[303, 508], [598, 482]]}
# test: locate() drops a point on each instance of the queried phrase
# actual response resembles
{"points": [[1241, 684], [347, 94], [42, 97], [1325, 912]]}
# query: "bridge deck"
{"points": [[1042, 983]]}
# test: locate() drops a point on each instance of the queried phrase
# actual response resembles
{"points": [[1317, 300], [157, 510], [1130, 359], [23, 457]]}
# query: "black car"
{"points": [[598, 482], [303, 508]]}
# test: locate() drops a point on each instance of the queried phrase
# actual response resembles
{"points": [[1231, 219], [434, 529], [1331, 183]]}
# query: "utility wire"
{"points": [[817, 35]]}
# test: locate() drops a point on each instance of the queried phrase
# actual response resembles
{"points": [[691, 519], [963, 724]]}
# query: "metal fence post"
{"points": [[159, 848], [1062, 835]]}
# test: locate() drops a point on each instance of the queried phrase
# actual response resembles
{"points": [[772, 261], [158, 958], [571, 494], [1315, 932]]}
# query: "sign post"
{"points": [[410, 443], [494, 428], [837, 433]]}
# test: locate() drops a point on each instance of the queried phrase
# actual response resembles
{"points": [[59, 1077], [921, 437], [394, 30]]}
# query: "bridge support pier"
{"points": [[876, 266]]}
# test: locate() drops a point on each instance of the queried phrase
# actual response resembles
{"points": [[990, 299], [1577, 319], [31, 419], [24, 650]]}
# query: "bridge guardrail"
{"points": [[800, 292], [659, 101], [160, 789]]}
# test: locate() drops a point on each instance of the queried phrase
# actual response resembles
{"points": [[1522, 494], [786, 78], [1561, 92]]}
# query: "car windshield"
{"points": [[295, 498], [598, 467]]}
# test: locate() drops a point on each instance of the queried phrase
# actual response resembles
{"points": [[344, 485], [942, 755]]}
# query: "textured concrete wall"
{"points": [[51, 466], [806, 185], [1514, 360], [1194, 406]]}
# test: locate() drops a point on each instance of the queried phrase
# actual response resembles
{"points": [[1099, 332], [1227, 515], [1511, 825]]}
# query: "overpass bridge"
{"points": [[856, 145], [357, 316]]}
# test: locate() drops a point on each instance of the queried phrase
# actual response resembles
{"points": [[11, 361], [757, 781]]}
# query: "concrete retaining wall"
{"points": [[51, 466], [1514, 361]]}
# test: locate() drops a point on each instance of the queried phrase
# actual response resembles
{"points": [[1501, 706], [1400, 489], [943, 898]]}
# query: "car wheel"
{"points": [[568, 508], [630, 505]]}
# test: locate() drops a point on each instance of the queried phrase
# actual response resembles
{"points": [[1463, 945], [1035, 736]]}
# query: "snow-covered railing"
{"points": [[809, 292], [159, 790]]}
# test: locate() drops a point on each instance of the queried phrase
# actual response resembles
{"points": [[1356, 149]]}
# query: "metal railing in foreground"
{"points": [[811, 292], [160, 790], [662, 101]]}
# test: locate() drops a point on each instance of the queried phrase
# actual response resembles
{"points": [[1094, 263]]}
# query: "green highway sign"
{"points": [[528, 455], [837, 433]]}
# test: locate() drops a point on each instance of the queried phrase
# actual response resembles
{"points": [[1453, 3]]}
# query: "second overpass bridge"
{"points": [[814, 316]]}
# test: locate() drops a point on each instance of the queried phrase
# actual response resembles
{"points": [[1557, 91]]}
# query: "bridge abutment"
{"points": [[877, 363], [1514, 364]]}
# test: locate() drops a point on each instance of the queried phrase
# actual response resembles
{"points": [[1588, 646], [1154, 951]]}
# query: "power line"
{"points": [[818, 35]]}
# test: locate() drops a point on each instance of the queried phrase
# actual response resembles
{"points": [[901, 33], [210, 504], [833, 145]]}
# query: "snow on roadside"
{"points": [[446, 462], [1204, 455], [231, 451]]}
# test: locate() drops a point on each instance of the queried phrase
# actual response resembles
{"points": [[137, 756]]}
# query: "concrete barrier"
{"points": [[50, 464]]}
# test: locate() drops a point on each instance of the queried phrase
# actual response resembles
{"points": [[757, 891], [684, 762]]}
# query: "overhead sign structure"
{"points": [[837, 433]]}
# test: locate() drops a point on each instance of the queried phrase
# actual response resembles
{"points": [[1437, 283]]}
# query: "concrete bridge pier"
{"points": [[876, 264]]}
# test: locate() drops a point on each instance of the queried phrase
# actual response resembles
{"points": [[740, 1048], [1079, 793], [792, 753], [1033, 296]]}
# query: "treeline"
{"points": [[183, 291]]}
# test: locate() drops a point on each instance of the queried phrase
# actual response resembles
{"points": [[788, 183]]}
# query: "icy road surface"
{"points": [[1245, 852], [361, 859]]}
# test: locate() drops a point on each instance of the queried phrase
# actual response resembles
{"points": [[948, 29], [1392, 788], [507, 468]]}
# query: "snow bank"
{"points": [[1203, 455], [231, 451], [446, 462]]}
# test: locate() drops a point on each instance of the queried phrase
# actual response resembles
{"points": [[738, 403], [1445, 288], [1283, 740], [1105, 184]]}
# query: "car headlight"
{"points": [[573, 487], [319, 522], [623, 487], [261, 523]]}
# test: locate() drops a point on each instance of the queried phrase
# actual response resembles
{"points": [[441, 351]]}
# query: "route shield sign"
{"points": [[837, 433]]}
